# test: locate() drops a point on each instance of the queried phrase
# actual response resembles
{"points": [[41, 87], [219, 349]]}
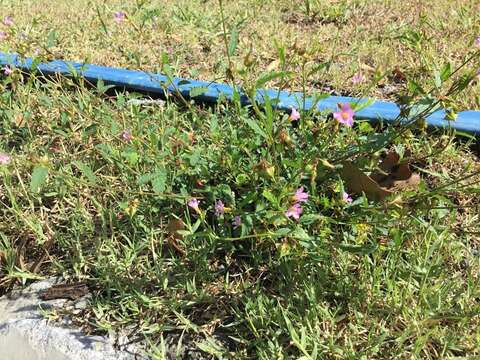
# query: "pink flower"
{"points": [[3, 35], [8, 21], [346, 198], [5, 159], [119, 16], [219, 208], [7, 70], [477, 42], [358, 78], [294, 211], [300, 195], [237, 221], [294, 115], [22, 36], [126, 136], [193, 203], [345, 115]]}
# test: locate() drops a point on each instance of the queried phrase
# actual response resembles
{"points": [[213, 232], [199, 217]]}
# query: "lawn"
{"points": [[246, 231]]}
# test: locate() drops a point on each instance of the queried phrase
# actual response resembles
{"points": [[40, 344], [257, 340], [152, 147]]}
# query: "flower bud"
{"points": [[284, 138]]}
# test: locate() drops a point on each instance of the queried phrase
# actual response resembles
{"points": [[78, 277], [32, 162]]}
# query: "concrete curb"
{"points": [[26, 335]]}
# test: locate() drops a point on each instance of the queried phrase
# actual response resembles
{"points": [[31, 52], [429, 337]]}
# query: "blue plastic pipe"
{"points": [[378, 111]]}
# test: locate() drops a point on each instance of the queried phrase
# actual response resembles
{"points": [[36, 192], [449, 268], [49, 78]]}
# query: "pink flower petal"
{"points": [[126, 136], [7, 70], [294, 211], [5, 159], [345, 115], [193, 203], [300, 195], [219, 208], [237, 221], [119, 16], [294, 115], [8, 21], [477, 42], [357, 79], [347, 198]]}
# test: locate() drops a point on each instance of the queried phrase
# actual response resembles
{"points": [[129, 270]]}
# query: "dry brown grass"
{"points": [[358, 35]]}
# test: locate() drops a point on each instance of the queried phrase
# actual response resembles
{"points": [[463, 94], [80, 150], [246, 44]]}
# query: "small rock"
{"points": [[146, 102], [82, 303], [25, 334]]}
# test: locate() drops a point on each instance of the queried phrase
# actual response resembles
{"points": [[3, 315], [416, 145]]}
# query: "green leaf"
{"points": [[300, 234], [196, 226], [415, 88], [72, 70], [145, 178], [167, 69], [198, 90], [86, 171], [269, 196], [211, 347], [232, 45], [319, 67], [465, 134], [282, 231], [265, 78], [280, 52], [51, 39], [102, 88], [446, 72], [131, 156], [159, 181], [252, 124], [359, 249], [437, 79], [104, 26], [269, 116], [195, 157], [309, 219], [317, 97], [363, 104], [39, 176]]}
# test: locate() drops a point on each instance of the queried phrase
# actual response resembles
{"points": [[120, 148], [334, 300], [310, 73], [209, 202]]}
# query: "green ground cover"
{"points": [[99, 189]]}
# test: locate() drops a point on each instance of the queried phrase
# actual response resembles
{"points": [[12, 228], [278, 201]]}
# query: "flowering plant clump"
{"points": [[272, 178]]}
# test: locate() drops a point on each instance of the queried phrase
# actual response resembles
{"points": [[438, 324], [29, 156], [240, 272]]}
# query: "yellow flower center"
{"points": [[345, 115]]}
